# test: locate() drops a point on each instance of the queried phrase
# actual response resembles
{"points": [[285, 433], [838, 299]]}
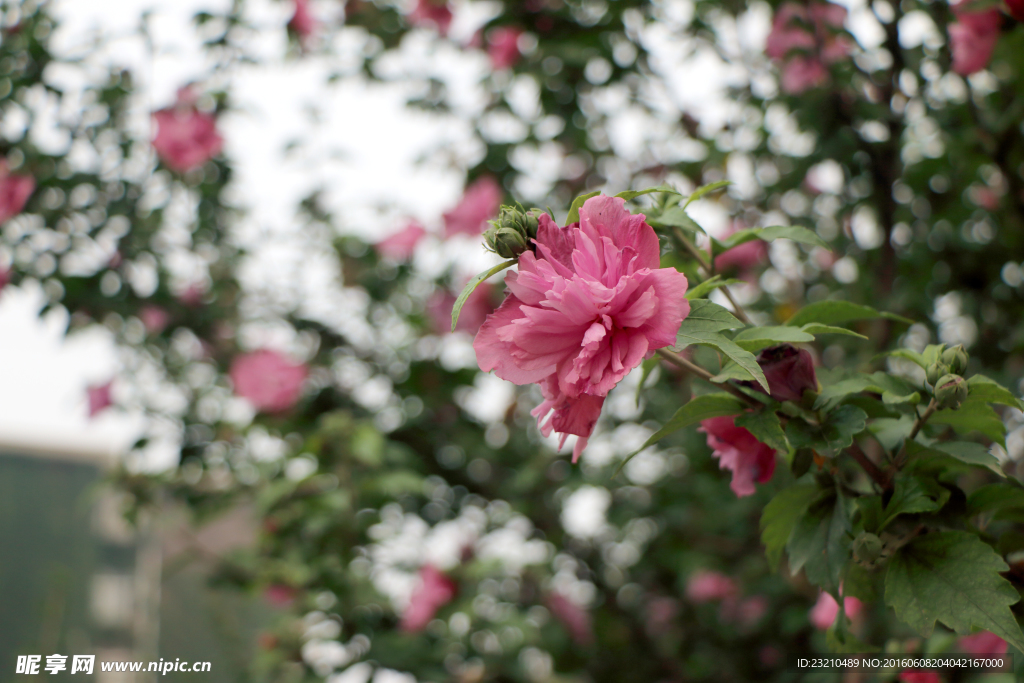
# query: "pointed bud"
{"points": [[935, 371], [867, 548], [510, 235], [956, 358], [951, 391], [789, 371]]}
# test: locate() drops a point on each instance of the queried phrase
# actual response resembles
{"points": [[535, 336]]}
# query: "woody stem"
{"points": [[873, 471], [707, 266], [679, 361]]}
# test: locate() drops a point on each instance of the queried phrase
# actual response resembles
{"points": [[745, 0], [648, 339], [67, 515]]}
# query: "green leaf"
{"points": [[820, 542], [984, 389], [910, 355], [877, 382], [765, 426], [912, 495], [974, 415], [711, 283], [473, 284], [744, 359], [964, 451], [574, 209], [703, 190], [706, 316], [996, 498], [757, 338], [675, 217], [633, 194], [892, 399], [834, 312], [952, 577], [693, 411], [842, 425], [818, 328], [871, 514], [891, 432], [791, 232], [781, 515]]}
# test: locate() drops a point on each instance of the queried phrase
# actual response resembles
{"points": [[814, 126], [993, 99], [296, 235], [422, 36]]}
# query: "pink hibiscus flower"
{"points": [[804, 38], [99, 396], [918, 676], [583, 311], [825, 611], [154, 319], [268, 380], [738, 450], [14, 192], [705, 586], [973, 37], [302, 22], [983, 644], [743, 258], [479, 204], [574, 618], [401, 245], [432, 13], [434, 592], [186, 138], [503, 47]]}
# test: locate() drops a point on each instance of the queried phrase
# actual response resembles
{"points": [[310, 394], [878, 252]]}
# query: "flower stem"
{"points": [[681, 362], [873, 471], [901, 457], [707, 266]]}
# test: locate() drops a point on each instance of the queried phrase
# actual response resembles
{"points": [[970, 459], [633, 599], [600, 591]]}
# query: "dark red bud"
{"points": [[789, 371]]}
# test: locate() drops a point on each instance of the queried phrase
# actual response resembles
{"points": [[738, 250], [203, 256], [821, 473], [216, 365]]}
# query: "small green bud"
{"points": [[951, 391], [867, 548], [956, 358], [510, 234], [935, 371]]}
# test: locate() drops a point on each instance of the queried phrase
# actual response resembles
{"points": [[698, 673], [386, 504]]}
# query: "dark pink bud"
{"points": [[789, 371]]}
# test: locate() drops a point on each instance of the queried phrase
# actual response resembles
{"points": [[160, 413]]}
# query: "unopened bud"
{"points": [[956, 359], [951, 391], [867, 548], [510, 234], [935, 371]]}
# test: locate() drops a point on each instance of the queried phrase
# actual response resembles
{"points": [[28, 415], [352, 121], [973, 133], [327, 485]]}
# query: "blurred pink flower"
{"points": [[582, 312], [804, 38], [99, 396], [5, 277], [154, 318], [279, 595], [972, 38], [574, 618], [659, 615], [825, 611], [738, 450], [193, 295], [268, 380], [401, 245], [503, 47], [918, 676], [14, 192], [434, 592], [984, 643], [789, 371], [769, 656], [705, 586], [432, 13], [302, 21], [186, 138], [476, 309], [743, 258], [479, 203], [747, 613]]}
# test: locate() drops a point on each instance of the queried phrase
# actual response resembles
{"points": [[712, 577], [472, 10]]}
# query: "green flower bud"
{"points": [[510, 235], [951, 391], [956, 358], [935, 371], [867, 548]]}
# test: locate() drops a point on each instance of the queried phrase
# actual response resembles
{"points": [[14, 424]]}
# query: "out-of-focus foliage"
{"points": [[393, 478]]}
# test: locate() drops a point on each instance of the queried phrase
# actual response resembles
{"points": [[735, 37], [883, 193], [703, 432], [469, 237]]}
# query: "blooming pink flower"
{"points": [[99, 396], [825, 611], [479, 203], [476, 309], [705, 586], [302, 22], [434, 592], [154, 318], [738, 450], [789, 371], [432, 13], [186, 138], [918, 676], [804, 38], [401, 245], [503, 47], [983, 644], [583, 311], [269, 380], [574, 618], [14, 192], [972, 38]]}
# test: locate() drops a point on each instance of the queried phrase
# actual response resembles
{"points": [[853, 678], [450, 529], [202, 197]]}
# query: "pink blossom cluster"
{"points": [[826, 609], [503, 47], [739, 451], [582, 311], [15, 189], [435, 13], [704, 586], [271, 382], [434, 591], [186, 138], [302, 23], [805, 39], [973, 36]]}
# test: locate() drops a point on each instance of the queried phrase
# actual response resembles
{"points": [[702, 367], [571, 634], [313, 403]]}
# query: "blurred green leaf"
{"points": [[781, 515], [574, 209], [834, 312], [473, 284], [705, 189]]}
